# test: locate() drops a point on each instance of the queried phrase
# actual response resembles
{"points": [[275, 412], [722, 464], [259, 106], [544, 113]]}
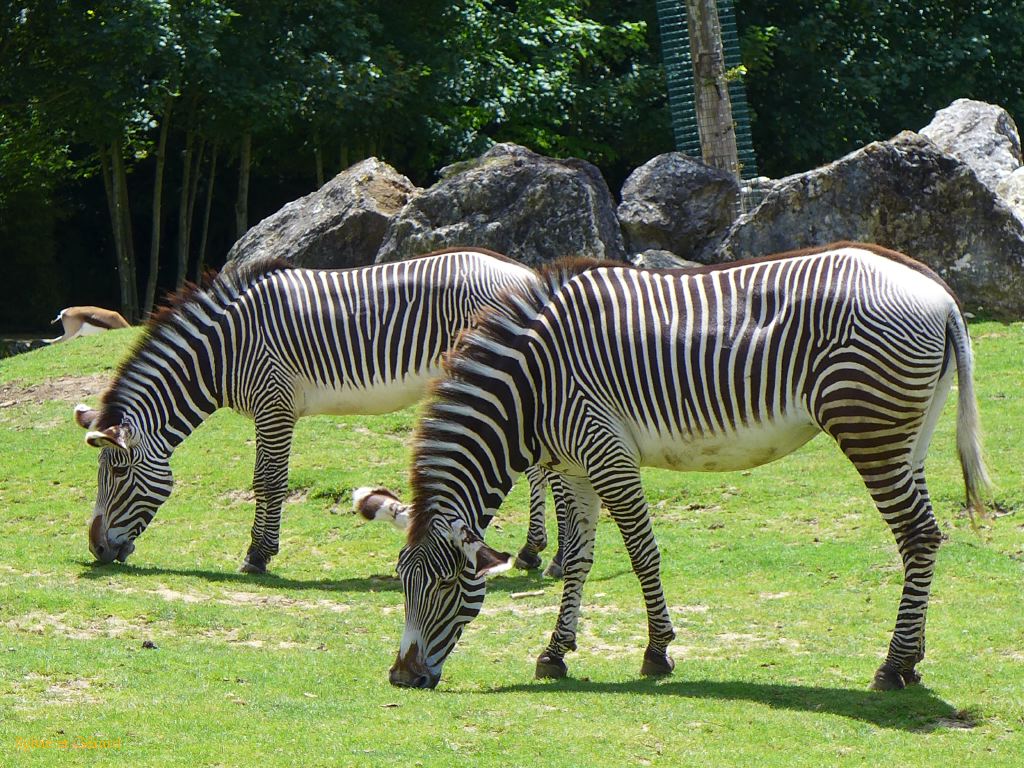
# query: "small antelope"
{"points": [[83, 321]]}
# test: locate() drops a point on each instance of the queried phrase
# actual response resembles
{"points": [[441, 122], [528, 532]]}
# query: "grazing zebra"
{"points": [[603, 370], [277, 343]]}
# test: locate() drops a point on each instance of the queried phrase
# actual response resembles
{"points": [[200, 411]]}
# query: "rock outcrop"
{"points": [[982, 135], [514, 201], [678, 204], [904, 194], [660, 259], [1011, 189], [340, 225]]}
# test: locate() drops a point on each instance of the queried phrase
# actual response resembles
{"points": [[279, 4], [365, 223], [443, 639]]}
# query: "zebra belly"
{"points": [[742, 448], [312, 398]]}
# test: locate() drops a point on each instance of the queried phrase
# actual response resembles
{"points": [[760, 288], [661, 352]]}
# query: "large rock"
{"points": [[677, 204], [1011, 189], [656, 258], [907, 195], [982, 135], [511, 200], [340, 225]]}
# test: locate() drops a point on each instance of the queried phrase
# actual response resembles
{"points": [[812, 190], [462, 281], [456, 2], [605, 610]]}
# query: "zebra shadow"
{"points": [[915, 709], [378, 582]]}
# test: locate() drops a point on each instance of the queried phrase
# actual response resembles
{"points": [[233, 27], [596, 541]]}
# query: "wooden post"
{"points": [[711, 91]]}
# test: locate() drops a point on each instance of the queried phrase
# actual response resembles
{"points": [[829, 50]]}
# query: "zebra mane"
{"points": [[477, 349], [178, 315]]}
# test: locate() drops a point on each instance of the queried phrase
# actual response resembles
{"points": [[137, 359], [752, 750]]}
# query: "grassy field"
{"points": [[783, 583]]}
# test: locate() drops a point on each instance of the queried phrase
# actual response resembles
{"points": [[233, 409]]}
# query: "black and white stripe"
{"points": [[603, 370], [278, 343]]}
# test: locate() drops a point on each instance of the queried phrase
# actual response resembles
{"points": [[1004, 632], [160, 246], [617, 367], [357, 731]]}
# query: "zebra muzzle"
{"points": [[410, 672]]}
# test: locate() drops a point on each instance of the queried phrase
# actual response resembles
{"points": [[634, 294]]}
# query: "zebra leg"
{"points": [[528, 557], [902, 498], [623, 495], [581, 508], [554, 569], [270, 483]]}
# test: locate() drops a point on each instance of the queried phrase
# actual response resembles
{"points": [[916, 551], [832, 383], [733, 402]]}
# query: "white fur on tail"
{"points": [[968, 427], [380, 504]]}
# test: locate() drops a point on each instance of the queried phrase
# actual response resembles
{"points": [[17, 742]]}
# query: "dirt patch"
{"points": [[71, 692], [172, 594], [60, 692], [961, 720], [255, 598], [248, 496], [68, 389], [39, 623]]}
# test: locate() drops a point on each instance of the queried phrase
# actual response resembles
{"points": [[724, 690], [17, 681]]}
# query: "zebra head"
{"points": [[442, 577], [132, 483]]}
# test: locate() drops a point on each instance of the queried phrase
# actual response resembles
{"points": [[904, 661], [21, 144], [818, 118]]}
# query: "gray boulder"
{"points": [[660, 259], [982, 135], [678, 204], [527, 206], [907, 195], [1011, 189], [340, 225]]}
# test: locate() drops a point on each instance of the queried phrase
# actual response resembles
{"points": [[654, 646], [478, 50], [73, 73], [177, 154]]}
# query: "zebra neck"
{"points": [[166, 395]]}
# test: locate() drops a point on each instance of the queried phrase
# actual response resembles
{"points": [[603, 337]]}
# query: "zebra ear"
{"points": [[85, 416], [490, 562], [111, 437], [485, 560]]}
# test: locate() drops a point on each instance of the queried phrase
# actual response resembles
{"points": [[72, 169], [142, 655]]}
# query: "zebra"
{"points": [[277, 343], [602, 370]]}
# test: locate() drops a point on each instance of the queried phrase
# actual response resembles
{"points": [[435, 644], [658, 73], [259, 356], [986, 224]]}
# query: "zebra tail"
{"points": [[968, 425]]}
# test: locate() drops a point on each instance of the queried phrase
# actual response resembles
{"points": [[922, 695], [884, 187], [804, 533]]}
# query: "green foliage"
{"points": [[826, 77], [782, 582], [544, 75]]}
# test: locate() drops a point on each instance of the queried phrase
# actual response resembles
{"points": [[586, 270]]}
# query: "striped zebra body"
{"points": [[604, 370], [278, 343]]}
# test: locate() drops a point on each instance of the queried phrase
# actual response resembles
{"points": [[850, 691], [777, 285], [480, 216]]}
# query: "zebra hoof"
{"points": [[527, 560], [888, 679], [554, 569], [911, 677], [657, 664], [550, 667], [254, 562]]}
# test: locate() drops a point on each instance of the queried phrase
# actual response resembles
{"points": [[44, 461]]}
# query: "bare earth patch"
{"points": [[39, 623], [60, 692], [68, 389]]}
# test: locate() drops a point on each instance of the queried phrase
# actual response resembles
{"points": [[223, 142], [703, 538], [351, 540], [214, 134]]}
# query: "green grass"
{"points": [[782, 581]]}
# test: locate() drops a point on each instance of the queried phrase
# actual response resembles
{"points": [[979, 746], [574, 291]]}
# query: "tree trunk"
{"points": [[201, 258], [155, 232], [193, 193], [242, 202], [711, 91], [186, 187], [123, 234]]}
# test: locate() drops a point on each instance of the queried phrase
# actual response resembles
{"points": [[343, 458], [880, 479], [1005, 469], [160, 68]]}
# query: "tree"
{"points": [[546, 75], [827, 77], [90, 73], [711, 90]]}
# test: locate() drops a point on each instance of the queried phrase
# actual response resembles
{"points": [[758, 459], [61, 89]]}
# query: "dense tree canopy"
{"points": [[827, 76], [139, 137]]}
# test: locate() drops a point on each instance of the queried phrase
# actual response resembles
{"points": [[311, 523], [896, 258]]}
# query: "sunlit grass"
{"points": [[782, 582]]}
